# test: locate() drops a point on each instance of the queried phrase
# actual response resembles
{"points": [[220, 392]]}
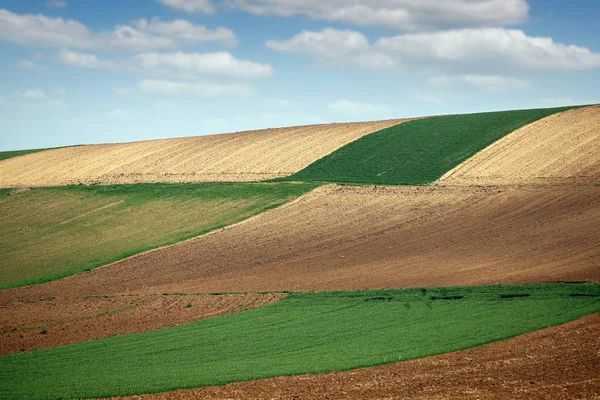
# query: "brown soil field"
{"points": [[45, 232], [562, 148], [237, 157], [562, 362], [72, 320], [372, 237]]}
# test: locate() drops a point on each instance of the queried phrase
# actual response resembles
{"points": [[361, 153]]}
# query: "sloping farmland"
{"points": [[373, 237], [238, 157], [560, 149]]}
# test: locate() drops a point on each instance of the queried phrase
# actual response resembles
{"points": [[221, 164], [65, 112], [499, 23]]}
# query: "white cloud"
{"points": [[31, 94], [123, 91], [205, 90], [328, 45], [186, 32], [83, 60], [60, 92], [204, 6], [38, 96], [353, 107], [486, 51], [26, 64], [491, 83], [56, 4], [194, 65], [37, 56], [408, 15], [29, 29], [173, 66]]}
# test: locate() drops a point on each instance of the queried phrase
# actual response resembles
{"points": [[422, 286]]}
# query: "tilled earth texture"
{"points": [[562, 362], [32, 324], [238, 157], [561, 148], [372, 237]]}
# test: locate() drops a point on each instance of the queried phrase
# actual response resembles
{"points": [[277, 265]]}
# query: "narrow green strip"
{"points": [[303, 333]]}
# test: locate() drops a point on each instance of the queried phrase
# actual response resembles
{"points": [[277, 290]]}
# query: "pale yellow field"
{"points": [[560, 149], [237, 157]]}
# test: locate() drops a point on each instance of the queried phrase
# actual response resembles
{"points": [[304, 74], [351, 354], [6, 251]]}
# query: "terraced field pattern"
{"points": [[441, 257]]}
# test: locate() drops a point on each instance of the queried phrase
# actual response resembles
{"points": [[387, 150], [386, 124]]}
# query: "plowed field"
{"points": [[244, 156], [561, 148], [373, 237], [50, 322], [562, 362]]}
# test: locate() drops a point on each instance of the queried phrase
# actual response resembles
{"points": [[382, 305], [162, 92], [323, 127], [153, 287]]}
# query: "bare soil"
{"points": [[561, 148], [49, 322], [562, 362], [372, 237], [237, 157]]}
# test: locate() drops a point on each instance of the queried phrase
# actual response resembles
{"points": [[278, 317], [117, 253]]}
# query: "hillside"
{"points": [[560, 149], [525, 209], [417, 152], [370, 237], [50, 233], [237, 157]]}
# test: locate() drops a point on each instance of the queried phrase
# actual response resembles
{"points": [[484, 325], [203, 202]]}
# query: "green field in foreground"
{"points": [[417, 152], [304, 333], [51, 233]]}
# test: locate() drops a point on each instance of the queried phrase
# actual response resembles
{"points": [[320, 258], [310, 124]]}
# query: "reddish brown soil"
{"points": [[44, 323], [368, 237], [558, 363]]}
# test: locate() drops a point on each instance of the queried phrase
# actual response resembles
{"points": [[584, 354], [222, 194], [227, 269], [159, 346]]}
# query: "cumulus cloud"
{"points": [[26, 64], [29, 29], [83, 60], [407, 15], [487, 51], [353, 107], [328, 45], [173, 66], [31, 94], [491, 83], [205, 90], [190, 65], [38, 96], [56, 4], [190, 6], [186, 32]]}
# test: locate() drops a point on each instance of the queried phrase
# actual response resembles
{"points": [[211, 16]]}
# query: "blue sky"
{"points": [[91, 71]]}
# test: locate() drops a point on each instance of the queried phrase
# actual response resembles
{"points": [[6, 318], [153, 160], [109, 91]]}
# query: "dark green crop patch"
{"points": [[417, 152]]}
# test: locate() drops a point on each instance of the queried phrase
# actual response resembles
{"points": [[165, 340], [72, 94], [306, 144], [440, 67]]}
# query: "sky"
{"points": [[103, 71]]}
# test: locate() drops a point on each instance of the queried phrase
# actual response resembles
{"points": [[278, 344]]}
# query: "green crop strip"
{"points": [[303, 333], [50, 233], [417, 152]]}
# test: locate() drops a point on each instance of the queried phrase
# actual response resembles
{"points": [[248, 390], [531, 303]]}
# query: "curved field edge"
{"points": [[250, 156], [51, 233], [563, 148], [417, 152], [32, 324], [305, 333], [551, 363]]}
